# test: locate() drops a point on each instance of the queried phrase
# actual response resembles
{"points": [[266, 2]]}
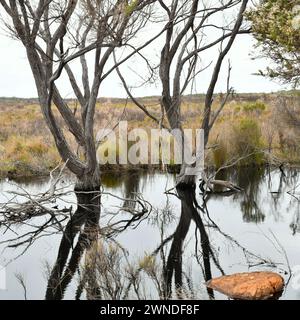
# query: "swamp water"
{"points": [[176, 246]]}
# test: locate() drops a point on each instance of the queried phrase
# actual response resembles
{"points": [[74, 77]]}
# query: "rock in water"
{"points": [[249, 286]]}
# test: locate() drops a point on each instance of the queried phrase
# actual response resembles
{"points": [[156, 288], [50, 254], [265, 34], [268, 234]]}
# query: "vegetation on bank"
{"points": [[275, 26], [252, 129]]}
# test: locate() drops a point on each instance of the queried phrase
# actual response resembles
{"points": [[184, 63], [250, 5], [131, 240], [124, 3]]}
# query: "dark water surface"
{"points": [[257, 229]]}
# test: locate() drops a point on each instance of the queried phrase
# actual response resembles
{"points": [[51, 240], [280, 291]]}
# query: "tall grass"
{"points": [[23, 156], [246, 126]]}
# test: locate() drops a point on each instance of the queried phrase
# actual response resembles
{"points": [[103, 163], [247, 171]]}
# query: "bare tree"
{"points": [[56, 33], [186, 38]]}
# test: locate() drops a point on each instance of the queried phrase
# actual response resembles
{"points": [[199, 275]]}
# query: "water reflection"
{"points": [[189, 212], [83, 225], [248, 179], [192, 238]]}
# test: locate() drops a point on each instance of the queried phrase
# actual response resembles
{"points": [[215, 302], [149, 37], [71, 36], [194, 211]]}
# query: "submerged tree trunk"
{"points": [[185, 180], [89, 181], [174, 84]]}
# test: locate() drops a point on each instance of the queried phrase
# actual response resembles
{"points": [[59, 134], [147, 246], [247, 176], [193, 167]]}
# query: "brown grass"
{"points": [[27, 147]]}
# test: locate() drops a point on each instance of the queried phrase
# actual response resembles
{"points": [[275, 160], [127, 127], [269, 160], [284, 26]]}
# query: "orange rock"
{"points": [[249, 286]]}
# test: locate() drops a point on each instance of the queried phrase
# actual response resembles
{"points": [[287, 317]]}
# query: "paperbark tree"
{"points": [[186, 39], [56, 33]]}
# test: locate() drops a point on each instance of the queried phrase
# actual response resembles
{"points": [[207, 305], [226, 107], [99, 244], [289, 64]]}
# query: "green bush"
{"points": [[247, 141], [257, 106], [220, 155], [237, 109]]}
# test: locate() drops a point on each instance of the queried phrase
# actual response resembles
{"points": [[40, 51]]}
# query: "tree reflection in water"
{"points": [[90, 255], [189, 212], [84, 225], [108, 273]]}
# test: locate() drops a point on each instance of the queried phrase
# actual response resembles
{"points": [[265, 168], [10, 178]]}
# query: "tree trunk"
{"points": [[184, 180], [189, 169], [89, 181]]}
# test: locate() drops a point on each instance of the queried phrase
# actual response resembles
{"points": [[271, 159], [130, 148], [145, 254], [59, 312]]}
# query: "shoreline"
{"points": [[118, 169]]}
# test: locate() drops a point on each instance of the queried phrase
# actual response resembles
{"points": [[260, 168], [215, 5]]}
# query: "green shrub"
{"points": [[247, 141], [220, 155], [257, 106], [237, 109]]}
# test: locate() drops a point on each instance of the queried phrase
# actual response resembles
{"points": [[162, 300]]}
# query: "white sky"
{"points": [[16, 79]]}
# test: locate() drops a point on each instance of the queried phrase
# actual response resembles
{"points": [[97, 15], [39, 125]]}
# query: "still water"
{"points": [[256, 229]]}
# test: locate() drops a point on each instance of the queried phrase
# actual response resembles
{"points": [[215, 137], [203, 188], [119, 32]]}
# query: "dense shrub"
{"points": [[257, 107], [247, 141]]}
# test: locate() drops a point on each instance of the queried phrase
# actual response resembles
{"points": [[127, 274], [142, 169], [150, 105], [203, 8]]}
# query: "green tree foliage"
{"points": [[276, 26]]}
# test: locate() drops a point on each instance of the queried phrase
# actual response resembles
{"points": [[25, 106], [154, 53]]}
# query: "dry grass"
{"points": [[246, 123]]}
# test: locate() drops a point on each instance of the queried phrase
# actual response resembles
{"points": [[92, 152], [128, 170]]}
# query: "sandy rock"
{"points": [[249, 286]]}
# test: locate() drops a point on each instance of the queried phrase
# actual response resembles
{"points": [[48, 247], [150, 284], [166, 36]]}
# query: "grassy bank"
{"points": [[250, 127]]}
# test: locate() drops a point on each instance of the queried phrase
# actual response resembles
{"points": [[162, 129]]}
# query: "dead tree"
{"points": [[56, 33], [186, 38], [179, 45]]}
